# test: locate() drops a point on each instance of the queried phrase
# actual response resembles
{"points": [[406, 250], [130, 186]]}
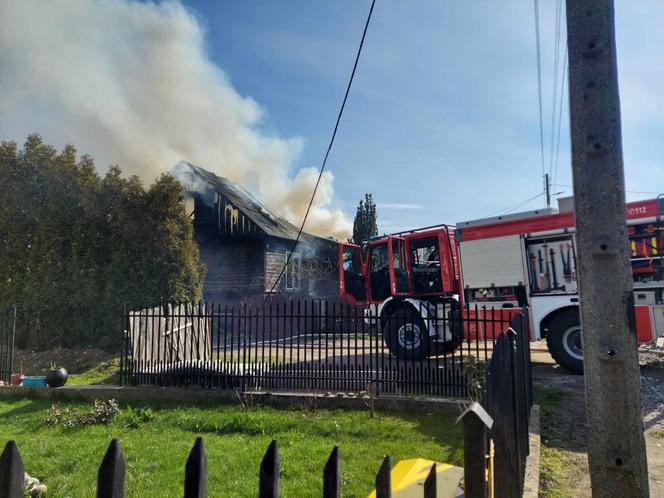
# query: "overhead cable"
{"points": [[539, 82], [327, 152]]}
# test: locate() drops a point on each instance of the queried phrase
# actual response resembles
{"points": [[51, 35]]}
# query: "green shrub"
{"points": [[135, 418]]}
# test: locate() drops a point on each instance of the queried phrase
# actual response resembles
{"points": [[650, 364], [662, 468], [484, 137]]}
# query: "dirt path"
{"points": [[564, 454]]}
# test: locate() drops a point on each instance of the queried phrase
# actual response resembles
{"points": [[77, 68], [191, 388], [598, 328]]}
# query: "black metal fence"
{"points": [[7, 333], [311, 345], [496, 435], [507, 397], [111, 474]]}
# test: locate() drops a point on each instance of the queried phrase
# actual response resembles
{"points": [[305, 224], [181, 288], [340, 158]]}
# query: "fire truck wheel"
{"points": [[406, 335], [564, 341]]}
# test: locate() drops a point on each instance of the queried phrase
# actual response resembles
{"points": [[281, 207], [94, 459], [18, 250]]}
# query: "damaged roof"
{"points": [[270, 222]]}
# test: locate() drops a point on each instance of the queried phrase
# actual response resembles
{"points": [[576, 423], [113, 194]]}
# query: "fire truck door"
{"points": [[351, 274], [398, 273]]}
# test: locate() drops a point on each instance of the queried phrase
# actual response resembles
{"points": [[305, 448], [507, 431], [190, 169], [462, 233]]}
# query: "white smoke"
{"points": [[131, 84]]}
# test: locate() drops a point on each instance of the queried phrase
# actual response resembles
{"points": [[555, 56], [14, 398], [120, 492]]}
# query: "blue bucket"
{"points": [[35, 381]]}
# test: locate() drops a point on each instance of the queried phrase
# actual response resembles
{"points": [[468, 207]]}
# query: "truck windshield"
{"points": [[425, 258]]}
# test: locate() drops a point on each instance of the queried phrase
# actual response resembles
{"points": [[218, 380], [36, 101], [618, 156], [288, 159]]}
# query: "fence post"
{"points": [[11, 472], [476, 425], [518, 394], [430, 483], [111, 477], [13, 343], [269, 473], [331, 476], [123, 344], [384, 479], [195, 472]]}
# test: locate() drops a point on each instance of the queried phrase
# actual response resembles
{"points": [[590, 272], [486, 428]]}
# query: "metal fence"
{"points": [[496, 432], [507, 397], [111, 474], [311, 345], [7, 333]]}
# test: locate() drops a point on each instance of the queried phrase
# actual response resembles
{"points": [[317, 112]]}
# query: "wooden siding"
{"points": [[217, 217], [318, 268], [234, 269], [275, 259]]}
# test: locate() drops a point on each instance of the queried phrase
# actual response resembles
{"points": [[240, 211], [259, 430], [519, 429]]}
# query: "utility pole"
{"points": [[616, 446], [547, 189]]}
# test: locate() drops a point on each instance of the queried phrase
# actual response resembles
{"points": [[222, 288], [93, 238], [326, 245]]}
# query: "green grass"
{"points": [[156, 443], [554, 463], [548, 398], [554, 468], [105, 372]]}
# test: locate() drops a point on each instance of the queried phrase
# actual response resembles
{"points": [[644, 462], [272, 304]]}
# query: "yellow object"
{"points": [[408, 478]]}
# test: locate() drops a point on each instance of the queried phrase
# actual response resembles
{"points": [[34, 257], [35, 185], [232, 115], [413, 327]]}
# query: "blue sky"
{"points": [[442, 123]]}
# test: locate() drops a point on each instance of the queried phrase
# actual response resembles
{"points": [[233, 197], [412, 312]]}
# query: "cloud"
{"points": [[131, 83], [398, 205], [408, 207]]}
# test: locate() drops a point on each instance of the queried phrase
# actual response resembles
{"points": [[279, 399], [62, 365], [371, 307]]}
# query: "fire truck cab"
{"points": [[405, 280], [536, 251]]}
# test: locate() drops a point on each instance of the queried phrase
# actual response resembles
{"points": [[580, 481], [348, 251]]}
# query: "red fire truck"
{"points": [[500, 263]]}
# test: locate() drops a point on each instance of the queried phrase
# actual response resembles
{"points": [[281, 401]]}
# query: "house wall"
{"points": [[274, 263], [318, 263], [234, 269]]}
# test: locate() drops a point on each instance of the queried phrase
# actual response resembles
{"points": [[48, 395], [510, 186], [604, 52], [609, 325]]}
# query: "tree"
{"points": [[75, 247], [364, 225]]}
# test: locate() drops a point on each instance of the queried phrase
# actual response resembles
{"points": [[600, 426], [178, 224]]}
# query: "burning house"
{"points": [[245, 245]]}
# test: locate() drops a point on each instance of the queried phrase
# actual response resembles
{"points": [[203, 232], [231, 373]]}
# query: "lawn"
{"points": [[156, 440], [563, 461], [105, 372]]}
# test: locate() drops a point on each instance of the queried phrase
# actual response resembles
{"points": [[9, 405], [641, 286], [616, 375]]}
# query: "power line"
{"points": [[539, 82], [327, 152], [560, 115], [518, 204], [556, 60]]}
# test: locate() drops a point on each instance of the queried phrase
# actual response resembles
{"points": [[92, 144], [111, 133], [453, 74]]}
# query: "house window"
{"points": [[294, 272]]}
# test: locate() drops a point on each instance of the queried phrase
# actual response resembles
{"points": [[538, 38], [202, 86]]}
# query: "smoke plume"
{"points": [[131, 84]]}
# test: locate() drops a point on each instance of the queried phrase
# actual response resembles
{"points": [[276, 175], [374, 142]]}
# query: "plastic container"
{"points": [[16, 379], [34, 381]]}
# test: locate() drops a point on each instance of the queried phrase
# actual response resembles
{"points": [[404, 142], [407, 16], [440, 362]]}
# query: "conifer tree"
{"points": [[364, 224], [75, 247]]}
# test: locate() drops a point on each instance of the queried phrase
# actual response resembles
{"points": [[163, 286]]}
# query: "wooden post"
{"points": [[269, 473], [476, 425], [332, 476], [111, 477], [195, 472], [616, 446]]}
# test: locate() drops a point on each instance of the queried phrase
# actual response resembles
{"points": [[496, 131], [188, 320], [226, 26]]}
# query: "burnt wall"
{"points": [[234, 269]]}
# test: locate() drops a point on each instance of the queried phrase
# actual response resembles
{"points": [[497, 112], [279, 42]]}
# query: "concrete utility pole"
{"points": [[616, 446]]}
